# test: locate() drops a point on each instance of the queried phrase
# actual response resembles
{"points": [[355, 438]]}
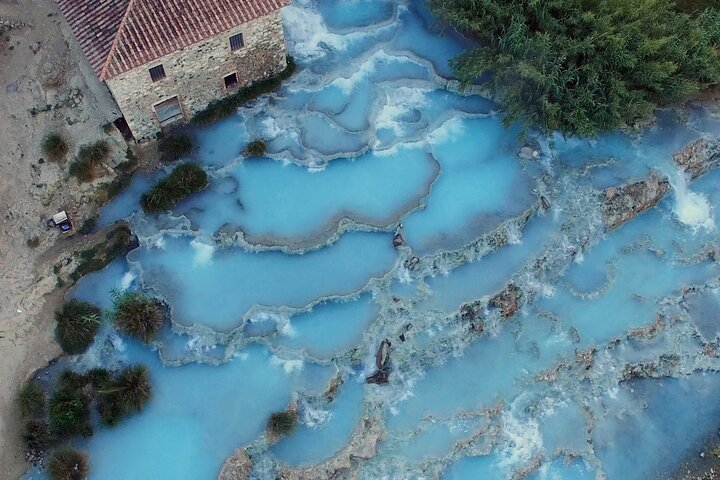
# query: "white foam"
{"points": [[126, 281], [522, 440], [399, 102], [288, 366], [203, 253], [692, 209], [447, 131], [308, 35]]}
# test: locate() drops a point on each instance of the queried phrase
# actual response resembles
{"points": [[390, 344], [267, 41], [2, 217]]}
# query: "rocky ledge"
{"points": [[699, 157], [622, 203]]}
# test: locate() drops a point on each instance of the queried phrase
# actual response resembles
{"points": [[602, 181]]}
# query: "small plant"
{"points": [[54, 147], [175, 146], [88, 159], [36, 436], [137, 315], [256, 148], [282, 423], [69, 412], [68, 464], [126, 394], [33, 242], [88, 226], [183, 181], [31, 400], [77, 324]]}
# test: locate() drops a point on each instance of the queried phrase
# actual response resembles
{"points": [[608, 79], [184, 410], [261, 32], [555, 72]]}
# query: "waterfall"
{"points": [[692, 209]]}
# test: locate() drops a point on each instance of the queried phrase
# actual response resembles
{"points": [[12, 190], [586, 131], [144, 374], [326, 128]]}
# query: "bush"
{"points": [[137, 315], [174, 146], [255, 148], [225, 107], [36, 435], [69, 412], [68, 464], [77, 324], [54, 147], [585, 67], [183, 181], [88, 159], [33, 242], [31, 400], [282, 423], [126, 394]]}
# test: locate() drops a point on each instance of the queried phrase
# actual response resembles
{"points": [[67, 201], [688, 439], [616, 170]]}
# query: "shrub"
{"points": [[174, 146], [183, 181], [227, 106], [127, 394], [69, 412], [256, 148], [88, 226], [68, 464], [54, 147], [33, 242], [88, 159], [31, 400], [282, 423], [77, 324], [137, 315], [36, 435]]}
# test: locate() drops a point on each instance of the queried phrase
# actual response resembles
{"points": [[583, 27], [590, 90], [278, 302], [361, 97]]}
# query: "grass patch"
{"points": [[282, 423], [118, 242], [88, 159], [31, 400], [225, 107], [54, 147], [174, 146], [77, 324], [256, 148], [68, 464], [36, 436], [33, 242], [183, 181], [88, 226], [137, 315], [126, 394]]}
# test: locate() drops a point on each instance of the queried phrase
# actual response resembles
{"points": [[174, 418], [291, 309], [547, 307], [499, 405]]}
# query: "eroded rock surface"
{"points": [[699, 157], [237, 467], [624, 202]]}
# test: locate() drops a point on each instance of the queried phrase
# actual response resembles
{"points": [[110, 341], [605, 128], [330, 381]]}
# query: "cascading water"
{"points": [[283, 283]]}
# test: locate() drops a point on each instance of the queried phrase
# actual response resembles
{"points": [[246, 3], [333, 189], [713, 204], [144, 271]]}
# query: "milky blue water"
{"points": [[282, 276]]}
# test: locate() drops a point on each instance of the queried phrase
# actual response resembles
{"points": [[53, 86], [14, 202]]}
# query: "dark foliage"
{"points": [[174, 146], [36, 435], [126, 394], [256, 148], [227, 106], [282, 423], [68, 464], [182, 182], [69, 412], [77, 324], [88, 159], [31, 400], [118, 241], [137, 315], [585, 66], [33, 242], [54, 147]]}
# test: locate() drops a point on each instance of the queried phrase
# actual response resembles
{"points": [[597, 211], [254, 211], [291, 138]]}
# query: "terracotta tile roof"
{"points": [[119, 35]]}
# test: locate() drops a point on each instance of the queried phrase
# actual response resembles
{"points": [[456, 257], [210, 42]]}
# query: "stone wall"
{"points": [[195, 74]]}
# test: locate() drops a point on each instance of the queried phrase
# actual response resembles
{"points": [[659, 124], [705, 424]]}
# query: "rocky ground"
{"points": [[45, 85]]}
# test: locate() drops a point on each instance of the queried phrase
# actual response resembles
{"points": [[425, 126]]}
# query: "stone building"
{"points": [[165, 60]]}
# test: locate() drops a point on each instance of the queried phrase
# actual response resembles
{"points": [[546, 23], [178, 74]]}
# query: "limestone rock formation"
{"points": [[699, 157], [237, 467], [622, 203]]}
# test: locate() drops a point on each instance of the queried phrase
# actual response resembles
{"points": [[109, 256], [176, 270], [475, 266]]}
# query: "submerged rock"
{"points": [[382, 363], [507, 301], [237, 467], [620, 204], [698, 157], [398, 240], [335, 383]]}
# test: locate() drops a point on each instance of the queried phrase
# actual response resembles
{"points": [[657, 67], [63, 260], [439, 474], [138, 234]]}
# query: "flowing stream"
{"points": [[282, 276]]}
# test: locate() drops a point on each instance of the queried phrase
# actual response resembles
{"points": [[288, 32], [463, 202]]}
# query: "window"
{"points": [[231, 81], [157, 73], [237, 42], [168, 110]]}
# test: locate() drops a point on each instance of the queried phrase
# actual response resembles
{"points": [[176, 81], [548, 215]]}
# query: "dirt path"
{"points": [[39, 71]]}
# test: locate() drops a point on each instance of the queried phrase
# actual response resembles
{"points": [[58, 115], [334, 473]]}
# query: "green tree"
{"points": [[77, 324], [585, 66]]}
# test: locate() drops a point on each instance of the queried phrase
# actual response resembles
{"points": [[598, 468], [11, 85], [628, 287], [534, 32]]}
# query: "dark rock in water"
{"points": [[574, 335], [333, 387], [398, 240], [402, 337], [382, 362], [478, 327], [507, 301], [383, 354], [379, 378], [544, 202], [698, 157], [622, 203], [412, 263]]}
